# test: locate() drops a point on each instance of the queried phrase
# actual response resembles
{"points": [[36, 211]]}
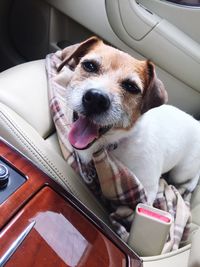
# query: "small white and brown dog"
{"points": [[117, 98]]}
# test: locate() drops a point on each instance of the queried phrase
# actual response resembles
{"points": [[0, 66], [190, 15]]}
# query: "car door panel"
{"points": [[186, 18], [165, 44]]}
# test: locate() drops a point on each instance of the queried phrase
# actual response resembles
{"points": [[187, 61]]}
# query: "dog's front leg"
{"points": [[151, 194]]}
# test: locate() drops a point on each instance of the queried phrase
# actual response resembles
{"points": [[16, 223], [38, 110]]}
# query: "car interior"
{"points": [[165, 32]]}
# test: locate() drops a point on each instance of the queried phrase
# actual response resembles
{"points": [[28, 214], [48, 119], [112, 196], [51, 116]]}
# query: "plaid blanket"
{"points": [[110, 180]]}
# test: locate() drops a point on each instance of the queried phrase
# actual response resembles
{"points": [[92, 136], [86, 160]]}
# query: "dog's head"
{"points": [[109, 90]]}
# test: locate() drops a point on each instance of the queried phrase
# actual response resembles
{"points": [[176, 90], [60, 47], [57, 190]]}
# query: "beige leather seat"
{"points": [[25, 122]]}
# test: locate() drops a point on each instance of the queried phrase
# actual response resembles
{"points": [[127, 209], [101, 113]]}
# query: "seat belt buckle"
{"points": [[149, 230]]}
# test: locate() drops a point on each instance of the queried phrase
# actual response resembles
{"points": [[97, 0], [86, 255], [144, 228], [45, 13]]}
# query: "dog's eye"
{"points": [[130, 87], [90, 66]]}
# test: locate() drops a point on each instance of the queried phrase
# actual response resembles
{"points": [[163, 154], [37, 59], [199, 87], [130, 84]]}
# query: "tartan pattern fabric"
{"points": [[108, 178]]}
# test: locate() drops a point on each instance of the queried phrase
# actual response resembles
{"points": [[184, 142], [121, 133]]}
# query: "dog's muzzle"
{"points": [[84, 130], [95, 102]]}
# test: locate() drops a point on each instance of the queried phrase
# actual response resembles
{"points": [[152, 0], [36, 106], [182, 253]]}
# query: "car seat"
{"points": [[25, 122]]}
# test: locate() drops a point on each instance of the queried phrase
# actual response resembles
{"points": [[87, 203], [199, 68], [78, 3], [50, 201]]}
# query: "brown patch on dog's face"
{"points": [[130, 86]]}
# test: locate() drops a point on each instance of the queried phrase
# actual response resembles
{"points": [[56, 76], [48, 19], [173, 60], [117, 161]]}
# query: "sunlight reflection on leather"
{"points": [[57, 239]]}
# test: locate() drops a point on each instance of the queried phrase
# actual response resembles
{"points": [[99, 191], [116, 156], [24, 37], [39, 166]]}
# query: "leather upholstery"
{"points": [[25, 122], [23, 89], [194, 259]]}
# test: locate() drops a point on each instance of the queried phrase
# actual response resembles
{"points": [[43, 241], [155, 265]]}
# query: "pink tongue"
{"points": [[82, 133]]}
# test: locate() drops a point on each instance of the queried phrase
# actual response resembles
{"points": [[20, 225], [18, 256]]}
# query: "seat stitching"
{"points": [[18, 133]]}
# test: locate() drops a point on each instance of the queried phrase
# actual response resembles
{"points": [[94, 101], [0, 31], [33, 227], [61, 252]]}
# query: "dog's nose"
{"points": [[95, 101]]}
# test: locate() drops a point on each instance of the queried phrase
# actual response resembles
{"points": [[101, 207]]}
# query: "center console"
{"points": [[43, 225]]}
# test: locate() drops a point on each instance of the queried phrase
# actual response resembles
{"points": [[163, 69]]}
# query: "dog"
{"points": [[116, 98]]}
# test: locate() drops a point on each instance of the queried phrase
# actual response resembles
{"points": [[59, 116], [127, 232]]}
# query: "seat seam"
{"points": [[30, 143]]}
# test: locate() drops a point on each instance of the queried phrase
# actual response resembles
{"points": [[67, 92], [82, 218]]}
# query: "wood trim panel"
{"points": [[61, 236], [15, 208], [35, 181]]}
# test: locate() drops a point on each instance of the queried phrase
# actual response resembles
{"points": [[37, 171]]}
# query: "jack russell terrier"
{"points": [[117, 98]]}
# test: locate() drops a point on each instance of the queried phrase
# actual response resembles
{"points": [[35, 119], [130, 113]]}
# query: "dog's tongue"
{"points": [[82, 133]]}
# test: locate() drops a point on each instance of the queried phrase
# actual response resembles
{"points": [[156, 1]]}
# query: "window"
{"points": [[186, 2]]}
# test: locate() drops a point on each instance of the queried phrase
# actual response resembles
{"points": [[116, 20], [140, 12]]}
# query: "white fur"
{"points": [[114, 116], [163, 139]]}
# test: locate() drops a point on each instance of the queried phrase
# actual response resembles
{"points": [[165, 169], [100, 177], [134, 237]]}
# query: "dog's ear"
{"points": [[72, 54], [155, 94]]}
